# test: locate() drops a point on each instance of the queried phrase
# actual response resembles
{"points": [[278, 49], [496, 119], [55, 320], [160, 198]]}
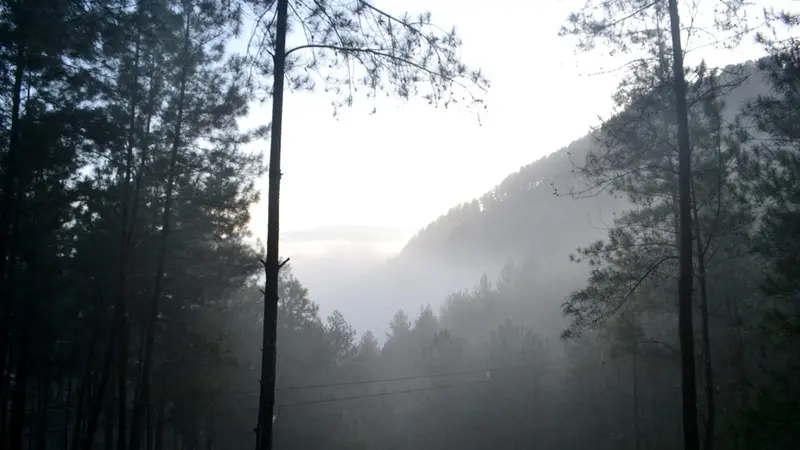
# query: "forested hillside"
{"points": [[132, 314], [533, 218], [525, 212]]}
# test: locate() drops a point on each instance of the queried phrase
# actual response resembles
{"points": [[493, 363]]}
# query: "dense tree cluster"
{"points": [[124, 208]]}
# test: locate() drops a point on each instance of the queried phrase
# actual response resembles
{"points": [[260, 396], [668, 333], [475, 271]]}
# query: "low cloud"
{"points": [[350, 234]]}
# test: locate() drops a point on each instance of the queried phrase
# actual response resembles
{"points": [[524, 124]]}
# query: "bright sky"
{"points": [[409, 163]]}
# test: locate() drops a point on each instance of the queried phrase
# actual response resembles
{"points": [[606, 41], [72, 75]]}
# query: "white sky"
{"points": [[410, 163]]}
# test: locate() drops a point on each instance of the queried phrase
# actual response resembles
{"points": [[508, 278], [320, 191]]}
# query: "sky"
{"points": [[357, 186]]}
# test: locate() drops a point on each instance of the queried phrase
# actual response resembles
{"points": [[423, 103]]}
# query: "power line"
{"points": [[488, 371], [385, 380], [361, 382], [379, 394]]}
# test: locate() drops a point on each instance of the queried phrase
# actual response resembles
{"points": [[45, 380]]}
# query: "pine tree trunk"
{"points": [[84, 393], [120, 330], [272, 264], [708, 369], [210, 431], [125, 245], [686, 275], [96, 406], [108, 424], [122, 376], [635, 374], [20, 391], [148, 428], [10, 175], [68, 398], [159, 440], [165, 232], [44, 393]]}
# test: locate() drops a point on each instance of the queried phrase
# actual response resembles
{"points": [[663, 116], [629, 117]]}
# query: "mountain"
{"points": [[529, 218]]}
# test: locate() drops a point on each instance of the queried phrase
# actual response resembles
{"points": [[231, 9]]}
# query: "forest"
{"points": [[131, 290]]}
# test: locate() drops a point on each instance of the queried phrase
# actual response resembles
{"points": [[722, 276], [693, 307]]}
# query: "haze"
{"points": [[542, 273], [360, 185]]}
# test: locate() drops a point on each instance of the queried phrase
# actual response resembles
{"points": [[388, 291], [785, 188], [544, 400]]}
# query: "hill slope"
{"points": [[521, 219]]}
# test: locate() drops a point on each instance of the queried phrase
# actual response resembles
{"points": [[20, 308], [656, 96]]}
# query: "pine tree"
{"points": [[769, 169], [637, 26], [396, 54]]}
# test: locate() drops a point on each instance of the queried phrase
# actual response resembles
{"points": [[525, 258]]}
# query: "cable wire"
{"points": [[385, 380], [361, 382], [378, 394]]}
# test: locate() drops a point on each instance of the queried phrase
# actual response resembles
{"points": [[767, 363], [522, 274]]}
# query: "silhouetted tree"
{"points": [[627, 25], [396, 54]]}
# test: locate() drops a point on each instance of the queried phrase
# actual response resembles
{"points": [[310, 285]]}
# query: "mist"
{"points": [[303, 225]]}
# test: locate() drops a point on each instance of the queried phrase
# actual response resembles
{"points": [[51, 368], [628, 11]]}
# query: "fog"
{"points": [[479, 237]]}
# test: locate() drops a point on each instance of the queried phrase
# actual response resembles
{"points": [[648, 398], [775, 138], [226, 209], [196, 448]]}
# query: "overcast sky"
{"points": [[389, 174]]}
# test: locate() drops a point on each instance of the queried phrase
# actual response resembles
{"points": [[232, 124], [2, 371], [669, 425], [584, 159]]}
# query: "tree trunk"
{"points": [[210, 431], [120, 329], [272, 265], [68, 396], [708, 369], [122, 377], [44, 396], [686, 276], [159, 441], [11, 175], [84, 393], [108, 425], [19, 393], [635, 374], [97, 402], [148, 428], [125, 244], [162, 249]]}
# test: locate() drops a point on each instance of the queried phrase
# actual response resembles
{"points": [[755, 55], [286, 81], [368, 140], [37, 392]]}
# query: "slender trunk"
{"points": [[84, 393], [120, 329], [686, 278], [19, 394], [5, 383], [108, 424], [159, 440], [708, 368], [70, 386], [738, 356], [98, 400], [125, 245], [30, 439], [44, 397], [620, 408], [10, 175], [136, 197], [162, 249], [129, 241], [636, 432], [272, 265], [710, 423], [139, 368], [122, 379], [23, 329], [18, 351], [148, 428], [68, 396], [210, 431]]}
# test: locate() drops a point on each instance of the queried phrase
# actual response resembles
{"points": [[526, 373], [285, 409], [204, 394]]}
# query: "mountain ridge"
{"points": [[521, 221], [554, 171]]}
